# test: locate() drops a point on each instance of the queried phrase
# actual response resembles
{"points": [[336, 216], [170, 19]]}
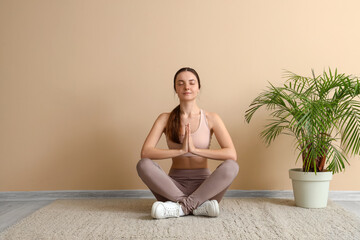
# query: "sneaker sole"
{"points": [[153, 209], [215, 208]]}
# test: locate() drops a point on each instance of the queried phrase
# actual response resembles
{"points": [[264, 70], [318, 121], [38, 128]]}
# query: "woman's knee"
{"points": [[143, 164], [231, 168]]}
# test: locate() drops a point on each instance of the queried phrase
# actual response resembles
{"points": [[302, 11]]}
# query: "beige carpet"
{"points": [[246, 218]]}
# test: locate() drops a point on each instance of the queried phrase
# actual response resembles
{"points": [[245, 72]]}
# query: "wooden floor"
{"points": [[13, 211]]}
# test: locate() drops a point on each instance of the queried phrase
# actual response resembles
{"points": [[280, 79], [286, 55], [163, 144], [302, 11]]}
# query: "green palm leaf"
{"points": [[317, 111]]}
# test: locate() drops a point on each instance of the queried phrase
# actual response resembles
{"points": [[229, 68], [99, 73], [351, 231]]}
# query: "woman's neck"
{"points": [[189, 108]]}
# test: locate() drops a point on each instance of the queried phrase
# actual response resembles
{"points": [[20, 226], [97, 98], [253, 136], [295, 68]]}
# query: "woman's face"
{"points": [[186, 85]]}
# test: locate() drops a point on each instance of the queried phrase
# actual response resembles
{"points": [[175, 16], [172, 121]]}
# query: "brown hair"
{"points": [[173, 123]]}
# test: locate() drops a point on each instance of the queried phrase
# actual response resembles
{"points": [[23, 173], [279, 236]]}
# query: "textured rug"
{"points": [[245, 218]]}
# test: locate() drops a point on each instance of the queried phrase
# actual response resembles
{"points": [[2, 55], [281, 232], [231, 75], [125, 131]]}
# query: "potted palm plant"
{"points": [[322, 113]]}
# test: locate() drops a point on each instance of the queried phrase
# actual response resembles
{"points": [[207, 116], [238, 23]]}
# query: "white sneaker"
{"points": [[209, 208], [166, 210]]}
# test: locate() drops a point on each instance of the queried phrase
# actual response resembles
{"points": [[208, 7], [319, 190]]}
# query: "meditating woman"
{"points": [[190, 187]]}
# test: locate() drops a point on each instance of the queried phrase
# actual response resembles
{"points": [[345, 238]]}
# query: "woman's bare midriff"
{"points": [[183, 162]]}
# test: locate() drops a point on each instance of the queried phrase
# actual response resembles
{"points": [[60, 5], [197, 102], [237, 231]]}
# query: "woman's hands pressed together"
{"points": [[191, 146], [188, 145]]}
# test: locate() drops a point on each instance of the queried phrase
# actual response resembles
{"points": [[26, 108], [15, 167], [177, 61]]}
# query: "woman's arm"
{"points": [[149, 149], [223, 137]]}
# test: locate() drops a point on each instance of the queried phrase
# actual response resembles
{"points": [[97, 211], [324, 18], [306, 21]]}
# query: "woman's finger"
{"points": [[188, 128]]}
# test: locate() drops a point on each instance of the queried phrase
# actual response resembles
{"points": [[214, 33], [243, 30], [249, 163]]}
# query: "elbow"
{"points": [[234, 158], [229, 154], [233, 155], [144, 153]]}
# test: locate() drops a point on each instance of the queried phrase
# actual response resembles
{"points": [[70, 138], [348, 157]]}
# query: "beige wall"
{"points": [[81, 82]]}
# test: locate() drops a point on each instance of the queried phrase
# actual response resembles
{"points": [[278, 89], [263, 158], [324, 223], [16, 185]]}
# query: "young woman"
{"points": [[190, 187]]}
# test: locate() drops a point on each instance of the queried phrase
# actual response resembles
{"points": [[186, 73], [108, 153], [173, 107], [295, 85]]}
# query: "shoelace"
{"points": [[172, 211], [202, 210]]}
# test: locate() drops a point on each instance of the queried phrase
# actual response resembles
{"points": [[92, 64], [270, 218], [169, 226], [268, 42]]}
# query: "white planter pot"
{"points": [[310, 190]]}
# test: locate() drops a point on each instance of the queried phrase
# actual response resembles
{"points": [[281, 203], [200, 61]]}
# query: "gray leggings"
{"points": [[189, 187]]}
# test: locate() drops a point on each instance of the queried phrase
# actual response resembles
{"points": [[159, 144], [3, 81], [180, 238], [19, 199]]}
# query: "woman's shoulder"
{"points": [[212, 118], [211, 115], [162, 118], [161, 121]]}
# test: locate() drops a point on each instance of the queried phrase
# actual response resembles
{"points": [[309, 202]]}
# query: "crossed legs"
{"points": [[165, 188]]}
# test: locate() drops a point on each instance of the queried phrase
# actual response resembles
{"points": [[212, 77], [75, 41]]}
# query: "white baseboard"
{"points": [[333, 195], [73, 194]]}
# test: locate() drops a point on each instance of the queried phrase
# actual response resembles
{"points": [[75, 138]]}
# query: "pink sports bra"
{"points": [[201, 137]]}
